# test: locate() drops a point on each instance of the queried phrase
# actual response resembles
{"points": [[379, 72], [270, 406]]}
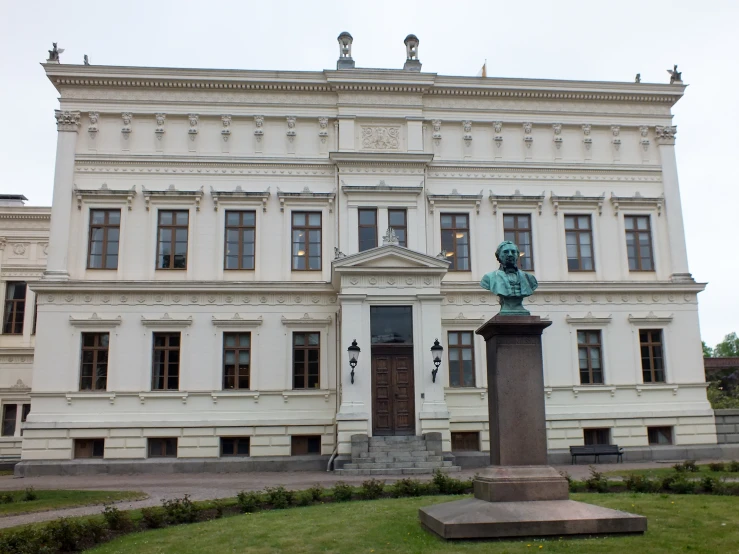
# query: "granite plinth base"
{"points": [[477, 519], [520, 484]]}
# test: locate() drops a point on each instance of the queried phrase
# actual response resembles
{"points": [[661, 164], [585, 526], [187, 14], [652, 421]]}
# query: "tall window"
{"points": [[639, 242], [590, 357], [10, 414], [94, 364], [367, 228], [306, 241], [398, 220], [461, 359], [455, 240], [579, 239], [517, 229], [105, 228], [166, 366], [652, 357], [15, 308], [306, 364], [172, 239], [236, 360], [240, 236]]}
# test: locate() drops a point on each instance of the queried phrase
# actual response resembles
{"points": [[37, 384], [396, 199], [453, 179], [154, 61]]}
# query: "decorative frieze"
{"points": [[380, 137]]}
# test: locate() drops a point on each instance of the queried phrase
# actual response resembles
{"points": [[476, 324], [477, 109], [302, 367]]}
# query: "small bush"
{"points": [[304, 498], [30, 495], [280, 497], [26, 540], [690, 466], [7, 498], [406, 487], [94, 530], [249, 501], [180, 510], [115, 519], [316, 492], [153, 518], [682, 485], [597, 481], [63, 535], [709, 484], [667, 481], [372, 489], [219, 505], [342, 492], [734, 466], [640, 483], [678, 467], [717, 466]]}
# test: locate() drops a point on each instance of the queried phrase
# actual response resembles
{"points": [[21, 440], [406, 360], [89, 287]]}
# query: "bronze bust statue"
{"points": [[510, 283]]}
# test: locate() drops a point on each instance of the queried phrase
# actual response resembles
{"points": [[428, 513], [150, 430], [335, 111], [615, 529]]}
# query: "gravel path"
{"points": [[207, 486]]}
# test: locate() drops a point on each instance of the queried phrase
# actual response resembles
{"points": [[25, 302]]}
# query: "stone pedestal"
{"points": [[519, 495]]}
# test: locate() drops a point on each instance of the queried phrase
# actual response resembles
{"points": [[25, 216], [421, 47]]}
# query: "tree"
{"points": [[707, 350], [728, 348]]}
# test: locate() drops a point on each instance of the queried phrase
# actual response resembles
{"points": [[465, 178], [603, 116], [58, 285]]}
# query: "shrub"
{"points": [[717, 466], [219, 505], [372, 489], [153, 518], [304, 498], [597, 481], [316, 492], [180, 510], [342, 492], [30, 495], [406, 487], [709, 484], [681, 485], [115, 519], [94, 530], [248, 501], [734, 466], [640, 483], [690, 466], [23, 541], [280, 497], [7, 498], [678, 467], [63, 535], [667, 481], [450, 485]]}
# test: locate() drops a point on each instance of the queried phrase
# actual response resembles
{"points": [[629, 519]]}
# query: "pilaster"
{"points": [[67, 125]]}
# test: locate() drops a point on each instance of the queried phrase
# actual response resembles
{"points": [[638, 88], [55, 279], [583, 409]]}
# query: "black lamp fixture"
{"points": [[354, 351], [436, 351]]}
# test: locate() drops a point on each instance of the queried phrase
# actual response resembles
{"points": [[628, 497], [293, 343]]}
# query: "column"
{"points": [[673, 206], [67, 125]]}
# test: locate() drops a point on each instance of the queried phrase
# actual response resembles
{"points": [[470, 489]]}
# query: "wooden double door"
{"points": [[393, 400]]}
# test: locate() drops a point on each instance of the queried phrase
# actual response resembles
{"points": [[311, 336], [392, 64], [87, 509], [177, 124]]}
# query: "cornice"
{"points": [[380, 159], [584, 287], [549, 172], [95, 321], [183, 287]]}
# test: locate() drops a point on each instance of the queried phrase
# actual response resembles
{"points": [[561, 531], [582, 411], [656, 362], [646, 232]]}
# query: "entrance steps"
{"points": [[397, 456]]}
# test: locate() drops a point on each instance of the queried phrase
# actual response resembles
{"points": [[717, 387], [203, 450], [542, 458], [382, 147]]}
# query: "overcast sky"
{"points": [[562, 39]]}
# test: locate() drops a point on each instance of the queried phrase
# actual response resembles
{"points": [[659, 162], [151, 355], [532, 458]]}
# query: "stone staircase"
{"points": [[396, 456]]}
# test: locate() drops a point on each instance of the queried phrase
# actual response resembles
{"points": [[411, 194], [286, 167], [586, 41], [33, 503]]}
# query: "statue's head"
{"points": [[507, 254]]}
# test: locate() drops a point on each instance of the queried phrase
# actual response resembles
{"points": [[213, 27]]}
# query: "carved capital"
{"points": [[665, 134], [67, 120]]}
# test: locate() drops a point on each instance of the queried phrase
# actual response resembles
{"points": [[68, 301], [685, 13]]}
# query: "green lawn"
{"points": [[56, 499], [668, 470], [699, 524]]}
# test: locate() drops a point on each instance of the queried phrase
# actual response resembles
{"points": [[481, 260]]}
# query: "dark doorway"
{"points": [[393, 397]]}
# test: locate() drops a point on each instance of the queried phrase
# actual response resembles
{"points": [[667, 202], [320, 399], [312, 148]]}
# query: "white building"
{"points": [[24, 239], [206, 216]]}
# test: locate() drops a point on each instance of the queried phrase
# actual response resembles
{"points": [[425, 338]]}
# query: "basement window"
{"points": [[302, 445], [466, 441], [659, 435], [89, 448]]}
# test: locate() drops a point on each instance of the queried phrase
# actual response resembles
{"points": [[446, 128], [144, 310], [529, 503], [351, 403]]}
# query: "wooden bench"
{"points": [[597, 450]]}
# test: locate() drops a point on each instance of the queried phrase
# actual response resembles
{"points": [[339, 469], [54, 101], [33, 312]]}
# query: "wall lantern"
{"points": [[436, 351], [354, 351]]}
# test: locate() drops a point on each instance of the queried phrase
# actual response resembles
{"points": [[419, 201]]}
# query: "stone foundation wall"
{"points": [[727, 426]]}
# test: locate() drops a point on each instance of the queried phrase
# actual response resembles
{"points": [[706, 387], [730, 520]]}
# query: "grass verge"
{"points": [[699, 524], [661, 472], [57, 499]]}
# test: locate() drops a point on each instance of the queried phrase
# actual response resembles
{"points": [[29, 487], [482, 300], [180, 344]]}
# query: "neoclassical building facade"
{"points": [[219, 239]]}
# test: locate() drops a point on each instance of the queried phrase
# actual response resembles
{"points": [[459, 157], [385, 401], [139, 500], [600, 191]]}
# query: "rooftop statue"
{"points": [[510, 283], [54, 53], [675, 75]]}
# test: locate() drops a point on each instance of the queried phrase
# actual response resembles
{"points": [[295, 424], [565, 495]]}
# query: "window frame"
{"points": [[637, 248], [240, 229], [166, 349], [236, 453], [404, 211], [650, 345], [237, 349], [5, 420], [598, 431], [578, 232], [361, 226], [454, 230], [307, 439], [151, 441], [517, 231], [587, 346], [172, 241], [96, 349], [306, 348], [461, 348], [105, 226], [306, 228], [655, 430], [12, 315], [463, 438], [92, 456]]}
